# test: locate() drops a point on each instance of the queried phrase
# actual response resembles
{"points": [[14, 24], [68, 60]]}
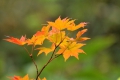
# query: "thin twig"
{"points": [[27, 50], [32, 48], [51, 58], [46, 63], [34, 63], [56, 57], [33, 59], [30, 54]]}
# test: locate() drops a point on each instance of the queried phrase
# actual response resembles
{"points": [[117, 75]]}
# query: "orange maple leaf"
{"points": [[15, 78], [71, 49], [17, 41], [26, 77], [37, 38], [73, 27], [78, 36], [80, 33], [45, 29], [19, 78]]}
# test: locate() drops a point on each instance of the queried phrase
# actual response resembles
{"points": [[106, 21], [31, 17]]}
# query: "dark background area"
{"points": [[25, 17]]}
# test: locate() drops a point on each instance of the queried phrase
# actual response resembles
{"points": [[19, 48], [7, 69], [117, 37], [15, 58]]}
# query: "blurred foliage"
{"points": [[102, 59]]}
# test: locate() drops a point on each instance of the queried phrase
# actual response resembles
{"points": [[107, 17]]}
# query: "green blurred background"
{"points": [[102, 62]]}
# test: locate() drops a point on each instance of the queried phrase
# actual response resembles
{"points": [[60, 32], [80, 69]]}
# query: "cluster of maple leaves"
{"points": [[58, 34], [26, 77]]}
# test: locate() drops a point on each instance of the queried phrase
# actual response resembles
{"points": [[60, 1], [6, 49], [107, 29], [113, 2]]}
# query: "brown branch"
{"points": [[34, 62], [27, 50], [30, 54], [51, 58], [46, 65]]}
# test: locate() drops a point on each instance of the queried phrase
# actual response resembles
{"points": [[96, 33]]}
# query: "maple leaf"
{"points": [[25, 77], [15, 78], [53, 31], [61, 23], [17, 41], [57, 37], [19, 78], [73, 27], [46, 50], [78, 36], [80, 33], [39, 33], [42, 79], [37, 38], [71, 49], [45, 29]]}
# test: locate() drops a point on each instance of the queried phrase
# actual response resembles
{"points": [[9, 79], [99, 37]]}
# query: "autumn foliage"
{"points": [[26, 77], [58, 34]]}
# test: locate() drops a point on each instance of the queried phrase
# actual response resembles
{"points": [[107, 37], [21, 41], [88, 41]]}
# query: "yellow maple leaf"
{"points": [[25, 77], [66, 23], [61, 23], [42, 79], [71, 49], [37, 38], [45, 50], [56, 38], [73, 27]]}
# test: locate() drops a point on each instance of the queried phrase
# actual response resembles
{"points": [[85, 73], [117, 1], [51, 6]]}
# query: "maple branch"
{"points": [[34, 62], [32, 58], [26, 50], [46, 63], [51, 58], [56, 56], [32, 48]]}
